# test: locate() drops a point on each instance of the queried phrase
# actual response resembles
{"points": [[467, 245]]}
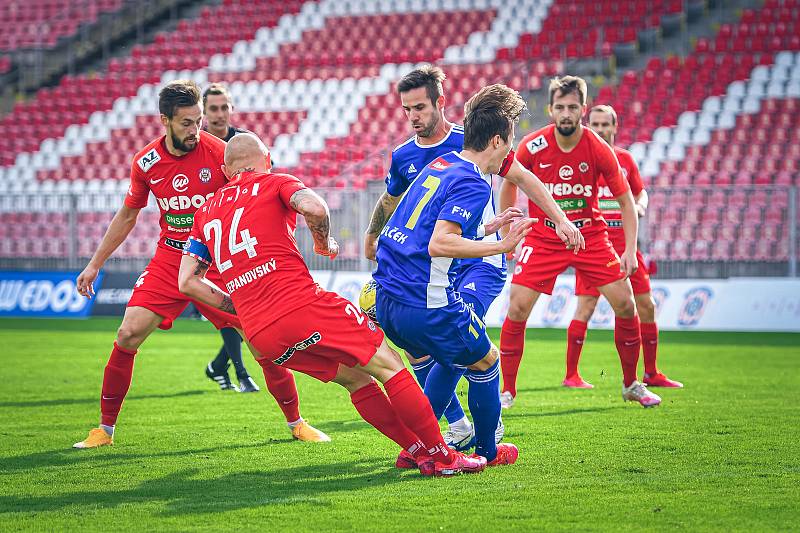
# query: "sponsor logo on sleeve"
{"points": [[440, 164], [537, 144], [148, 160], [460, 211]]}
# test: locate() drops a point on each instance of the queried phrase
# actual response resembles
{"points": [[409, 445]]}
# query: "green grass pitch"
{"points": [[722, 454]]}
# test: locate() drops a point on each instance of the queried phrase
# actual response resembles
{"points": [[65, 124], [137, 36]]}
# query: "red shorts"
{"points": [[157, 290], [540, 262], [640, 280], [316, 338]]}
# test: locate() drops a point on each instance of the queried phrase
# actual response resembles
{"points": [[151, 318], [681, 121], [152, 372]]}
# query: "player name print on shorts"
{"points": [[302, 345]]}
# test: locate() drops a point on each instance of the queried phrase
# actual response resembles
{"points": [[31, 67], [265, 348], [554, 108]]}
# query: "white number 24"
{"points": [[247, 244]]}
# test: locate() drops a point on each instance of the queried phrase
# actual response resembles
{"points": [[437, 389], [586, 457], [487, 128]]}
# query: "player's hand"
{"points": [[570, 235], [640, 210], [85, 281], [329, 249], [370, 246], [628, 263], [506, 217], [519, 230]]}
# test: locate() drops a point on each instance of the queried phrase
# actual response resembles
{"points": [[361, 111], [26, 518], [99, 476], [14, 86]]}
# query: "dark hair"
{"points": [[175, 94], [491, 111], [426, 76], [604, 108], [566, 85], [216, 89]]}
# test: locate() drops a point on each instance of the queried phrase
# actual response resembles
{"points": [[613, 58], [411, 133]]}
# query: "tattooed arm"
{"points": [[315, 210], [190, 283], [383, 210]]}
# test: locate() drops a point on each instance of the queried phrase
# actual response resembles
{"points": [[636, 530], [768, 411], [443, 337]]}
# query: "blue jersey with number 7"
{"points": [[449, 188]]}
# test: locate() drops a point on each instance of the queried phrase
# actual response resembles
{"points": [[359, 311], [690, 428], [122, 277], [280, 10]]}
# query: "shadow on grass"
{"points": [[507, 415], [541, 389], [96, 400], [101, 458], [189, 491]]}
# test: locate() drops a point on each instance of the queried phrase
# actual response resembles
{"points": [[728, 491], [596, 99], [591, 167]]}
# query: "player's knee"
{"points": [[625, 308], [129, 337], [646, 308], [518, 310], [488, 360], [352, 379]]}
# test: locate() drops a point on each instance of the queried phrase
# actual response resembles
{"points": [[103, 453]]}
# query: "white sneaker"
{"points": [[637, 392], [506, 400], [460, 440], [500, 431]]}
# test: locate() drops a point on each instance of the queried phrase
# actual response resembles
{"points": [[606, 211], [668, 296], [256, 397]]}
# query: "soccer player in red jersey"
{"points": [[247, 231], [182, 169], [603, 120], [569, 159]]}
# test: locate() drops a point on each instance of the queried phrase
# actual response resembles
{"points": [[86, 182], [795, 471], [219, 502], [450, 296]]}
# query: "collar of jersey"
{"points": [[416, 139]]}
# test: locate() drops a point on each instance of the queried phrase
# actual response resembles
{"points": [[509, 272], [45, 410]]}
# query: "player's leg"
{"points": [[281, 385], [628, 340], [137, 324], [414, 410], [233, 347], [512, 338], [576, 335], [649, 329], [217, 369]]}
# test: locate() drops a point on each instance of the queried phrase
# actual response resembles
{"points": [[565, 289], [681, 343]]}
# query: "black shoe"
{"points": [[220, 378], [248, 385]]}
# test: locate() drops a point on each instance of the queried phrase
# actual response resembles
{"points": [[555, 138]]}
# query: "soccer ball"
{"points": [[366, 300]]}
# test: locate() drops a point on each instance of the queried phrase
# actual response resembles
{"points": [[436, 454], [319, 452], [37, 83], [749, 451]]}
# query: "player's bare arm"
{"points": [[508, 198], [383, 210], [447, 240], [121, 225], [630, 226], [190, 283], [642, 201], [534, 189], [315, 211]]}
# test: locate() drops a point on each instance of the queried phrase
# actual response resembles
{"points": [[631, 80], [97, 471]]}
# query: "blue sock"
{"points": [[484, 404], [439, 387], [454, 412]]}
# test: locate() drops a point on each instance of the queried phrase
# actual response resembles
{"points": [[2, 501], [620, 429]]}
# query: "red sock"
{"points": [[414, 409], [374, 407], [512, 343], [649, 346], [628, 341], [116, 382], [280, 383], [576, 334]]}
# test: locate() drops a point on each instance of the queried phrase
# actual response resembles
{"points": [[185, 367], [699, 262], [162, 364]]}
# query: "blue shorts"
{"points": [[479, 285], [452, 335]]}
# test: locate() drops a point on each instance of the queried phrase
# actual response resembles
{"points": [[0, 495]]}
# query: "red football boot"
{"points": [[660, 380]]}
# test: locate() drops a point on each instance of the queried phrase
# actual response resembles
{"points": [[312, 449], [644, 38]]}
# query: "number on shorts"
{"points": [[474, 318], [525, 254], [247, 244], [351, 310], [431, 183]]}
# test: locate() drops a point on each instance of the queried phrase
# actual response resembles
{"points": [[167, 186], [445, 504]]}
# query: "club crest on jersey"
{"points": [[148, 160], [537, 144], [440, 164], [180, 182], [584, 166], [565, 172], [205, 175]]}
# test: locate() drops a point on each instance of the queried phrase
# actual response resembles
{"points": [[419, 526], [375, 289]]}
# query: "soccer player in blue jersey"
{"points": [[480, 280], [419, 254]]}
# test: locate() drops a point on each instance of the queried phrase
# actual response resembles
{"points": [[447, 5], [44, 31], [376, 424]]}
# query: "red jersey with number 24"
{"points": [[180, 184], [571, 177], [248, 228]]}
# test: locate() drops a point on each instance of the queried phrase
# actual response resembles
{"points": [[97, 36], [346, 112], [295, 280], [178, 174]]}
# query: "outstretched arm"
{"points": [[315, 211], [190, 283], [447, 240], [383, 210]]}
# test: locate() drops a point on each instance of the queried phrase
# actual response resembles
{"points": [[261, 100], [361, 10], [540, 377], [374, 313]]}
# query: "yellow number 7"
{"points": [[477, 320], [431, 183]]}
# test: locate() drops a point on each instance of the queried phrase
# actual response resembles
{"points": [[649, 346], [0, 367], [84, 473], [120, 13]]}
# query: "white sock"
{"points": [[461, 426], [292, 425], [108, 429]]}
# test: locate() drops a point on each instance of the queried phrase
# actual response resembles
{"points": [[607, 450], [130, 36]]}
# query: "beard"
{"points": [[181, 144], [427, 131], [566, 131]]}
